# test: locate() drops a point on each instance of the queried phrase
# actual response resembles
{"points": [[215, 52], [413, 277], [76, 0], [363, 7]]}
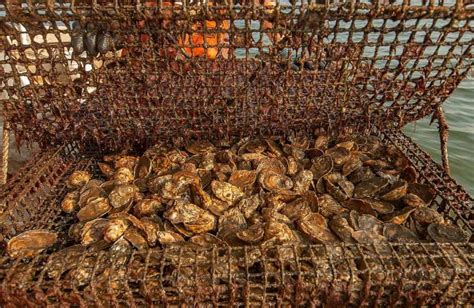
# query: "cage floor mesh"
{"points": [[420, 273]]}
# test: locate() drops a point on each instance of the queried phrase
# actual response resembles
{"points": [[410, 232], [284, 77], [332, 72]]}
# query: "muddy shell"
{"points": [[322, 165], [302, 181], [396, 191], [135, 237], [423, 191], [413, 200], [360, 205], [296, 209], [426, 215], [115, 229], [30, 243], [280, 232], [143, 167], [399, 217], [168, 237], [340, 226], [361, 175], [123, 176]]}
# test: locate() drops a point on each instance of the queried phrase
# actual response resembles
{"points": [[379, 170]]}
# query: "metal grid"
{"points": [[399, 274], [355, 66], [185, 68]]}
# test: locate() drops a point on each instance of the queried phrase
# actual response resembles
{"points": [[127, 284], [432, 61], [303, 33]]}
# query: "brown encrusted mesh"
{"points": [[361, 66], [398, 274], [372, 63]]}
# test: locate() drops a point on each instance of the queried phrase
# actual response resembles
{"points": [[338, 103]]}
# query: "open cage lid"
{"points": [[130, 72]]}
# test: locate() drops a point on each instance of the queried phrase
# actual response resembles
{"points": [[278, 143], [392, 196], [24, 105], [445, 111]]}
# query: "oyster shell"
{"points": [[425, 192], [93, 231], [207, 240], [339, 155], [78, 179], [413, 200], [115, 229], [302, 181], [401, 216], [361, 175], [135, 237], [340, 226], [329, 207], [146, 207], [442, 233], [123, 176], [253, 234], [360, 205], [291, 165], [122, 195], [143, 167], [243, 178], [200, 146], [399, 234], [106, 169], [94, 208], [249, 205], [70, 202], [30, 243], [280, 232], [351, 165], [168, 237], [226, 192], [296, 209], [322, 165], [370, 187], [315, 227], [275, 182], [426, 215], [396, 191]]}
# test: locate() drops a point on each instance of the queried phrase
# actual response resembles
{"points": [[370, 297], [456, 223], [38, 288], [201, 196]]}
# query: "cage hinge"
{"points": [[443, 129]]}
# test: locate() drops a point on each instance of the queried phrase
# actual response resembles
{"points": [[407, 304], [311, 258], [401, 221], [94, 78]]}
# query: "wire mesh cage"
{"points": [[108, 76]]}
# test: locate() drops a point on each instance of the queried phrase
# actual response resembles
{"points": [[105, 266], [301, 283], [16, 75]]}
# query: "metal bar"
{"points": [[5, 152]]}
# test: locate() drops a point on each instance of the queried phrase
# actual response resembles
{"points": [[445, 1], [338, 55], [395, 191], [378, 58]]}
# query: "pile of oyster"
{"points": [[254, 192]]}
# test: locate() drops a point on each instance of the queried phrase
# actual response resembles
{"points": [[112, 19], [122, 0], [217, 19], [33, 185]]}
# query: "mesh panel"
{"points": [[219, 68]]}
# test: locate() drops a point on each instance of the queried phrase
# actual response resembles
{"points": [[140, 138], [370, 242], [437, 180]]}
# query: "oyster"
{"points": [[143, 167], [146, 207], [351, 165], [94, 208], [226, 192], [399, 217], [399, 234], [315, 227], [93, 231], [396, 191], [368, 237], [426, 215], [329, 207], [231, 222], [322, 165], [291, 165], [338, 187], [249, 205], [296, 209], [243, 178], [274, 147], [442, 233], [30, 243], [191, 216], [361, 175], [115, 229], [207, 240], [360, 205], [339, 155], [280, 232], [106, 169], [271, 164], [125, 161], [370, 187], [123, 195], [135, 237], [321, 142], [275, 182], [168, 237], [302, 181], [425, 192], [200, 146], [70, 202], [413, 200], [123, 176], [381, 207], [253, 234], [340, 226], [78, 179]]}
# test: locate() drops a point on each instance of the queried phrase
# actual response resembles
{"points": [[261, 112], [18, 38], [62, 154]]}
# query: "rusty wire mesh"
{"points": [[423, 273], [213, 69], [219, 70]]}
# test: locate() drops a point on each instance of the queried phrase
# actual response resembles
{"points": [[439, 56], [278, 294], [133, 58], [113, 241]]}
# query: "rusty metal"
{"points": [[5, 152], [443, 130], [354, 66]]}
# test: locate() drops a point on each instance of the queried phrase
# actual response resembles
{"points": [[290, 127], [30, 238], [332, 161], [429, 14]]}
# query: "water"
{"points": [[459, 110]]}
